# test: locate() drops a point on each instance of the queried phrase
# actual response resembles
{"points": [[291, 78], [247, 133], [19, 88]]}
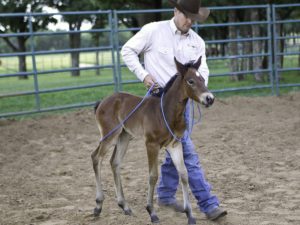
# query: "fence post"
{"points": [[274, 38], [118, 64], [36, 84], [112, 21], [270, 50]]}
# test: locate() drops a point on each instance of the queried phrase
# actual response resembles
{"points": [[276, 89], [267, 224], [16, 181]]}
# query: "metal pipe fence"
{"points": [[49, 70]]}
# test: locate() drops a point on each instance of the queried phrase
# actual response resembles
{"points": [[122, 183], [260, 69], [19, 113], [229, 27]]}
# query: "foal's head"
{"points": [[194, 83]]}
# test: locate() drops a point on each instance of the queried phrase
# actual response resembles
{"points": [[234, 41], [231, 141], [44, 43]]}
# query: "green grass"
{"points": [[11, 85], [56, 61]]}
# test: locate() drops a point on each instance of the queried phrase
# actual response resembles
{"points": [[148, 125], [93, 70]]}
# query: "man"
{"points": [[160, 42]]}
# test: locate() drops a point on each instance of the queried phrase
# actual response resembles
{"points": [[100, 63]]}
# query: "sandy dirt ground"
{"points": [[249, 148]]}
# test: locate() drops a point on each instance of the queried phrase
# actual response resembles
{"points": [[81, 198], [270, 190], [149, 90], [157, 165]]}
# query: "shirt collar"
{"points": [[175, 30]]}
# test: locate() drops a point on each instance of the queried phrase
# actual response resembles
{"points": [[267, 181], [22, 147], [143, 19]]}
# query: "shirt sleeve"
{"points": [[136, 45], [203, 69]]}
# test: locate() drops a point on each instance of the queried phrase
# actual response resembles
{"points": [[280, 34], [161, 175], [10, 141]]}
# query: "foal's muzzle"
{"points": [[207, 99]]}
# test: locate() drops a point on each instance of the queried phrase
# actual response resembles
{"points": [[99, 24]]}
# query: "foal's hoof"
{"points": [[191, 221], [154, 219], [97, 212], [153, 216], [128, 212]]}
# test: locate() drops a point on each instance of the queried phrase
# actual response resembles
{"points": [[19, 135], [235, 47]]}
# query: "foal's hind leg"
{"points": [[97, 156], [99, 192], [115, 162]]}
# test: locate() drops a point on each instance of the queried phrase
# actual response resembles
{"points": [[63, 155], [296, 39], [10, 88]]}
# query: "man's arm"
{"points": [[130, 52], [203, 69]]}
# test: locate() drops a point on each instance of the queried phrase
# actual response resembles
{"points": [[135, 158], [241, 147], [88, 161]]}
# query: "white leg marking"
{"points": [[177, 158]]}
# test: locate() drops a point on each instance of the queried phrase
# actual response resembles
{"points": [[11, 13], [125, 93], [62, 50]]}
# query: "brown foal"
{"points": [[147, 122]]}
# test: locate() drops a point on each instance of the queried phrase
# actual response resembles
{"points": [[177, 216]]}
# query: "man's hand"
{"points": [[149, 81]]}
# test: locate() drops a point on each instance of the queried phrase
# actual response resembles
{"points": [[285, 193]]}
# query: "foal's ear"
{"points": [[180, 67], [197, 64]]}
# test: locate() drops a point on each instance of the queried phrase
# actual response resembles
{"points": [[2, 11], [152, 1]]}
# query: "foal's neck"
{"points": [[175, 101]]}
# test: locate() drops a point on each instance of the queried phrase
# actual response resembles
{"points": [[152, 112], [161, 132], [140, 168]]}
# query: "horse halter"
{"points": [[191, 122]]}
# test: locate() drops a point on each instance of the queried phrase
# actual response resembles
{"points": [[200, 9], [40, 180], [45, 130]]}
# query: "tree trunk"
{"points": [[280, 48], [247, 46], [232, 47], [22, 58], [97, 63], [97, 43], [256, 46], [74, 44], [223, 35], [299, 58], [99, 23], [265, 62], [142, 19]]}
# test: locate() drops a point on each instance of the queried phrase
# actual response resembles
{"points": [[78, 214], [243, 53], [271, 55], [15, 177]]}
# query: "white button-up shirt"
{"points": [[160, 42]]}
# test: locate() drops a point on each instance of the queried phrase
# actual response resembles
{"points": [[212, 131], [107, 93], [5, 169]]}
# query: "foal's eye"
{"points": [[190, 81]]}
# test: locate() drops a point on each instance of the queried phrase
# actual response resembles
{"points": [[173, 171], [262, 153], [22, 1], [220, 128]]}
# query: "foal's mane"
{"points": [[171, 81], [166, 88]]}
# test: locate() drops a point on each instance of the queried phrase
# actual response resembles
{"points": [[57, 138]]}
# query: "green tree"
{"points": [[75, 23], [20, 24], [132, 20], [135, 20], [254, 47]]}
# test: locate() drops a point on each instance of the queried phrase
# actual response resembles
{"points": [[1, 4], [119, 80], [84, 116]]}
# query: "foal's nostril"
{"points": [[209, 100]]}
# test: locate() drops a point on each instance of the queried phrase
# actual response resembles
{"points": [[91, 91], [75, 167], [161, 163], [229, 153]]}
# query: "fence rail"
{"points": [[114, 76]]}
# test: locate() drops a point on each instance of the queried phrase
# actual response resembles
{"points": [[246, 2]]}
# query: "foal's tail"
{"points": [[96, 106]]}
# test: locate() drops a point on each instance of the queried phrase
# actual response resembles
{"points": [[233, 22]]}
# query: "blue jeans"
{"points": [[169, 178]]}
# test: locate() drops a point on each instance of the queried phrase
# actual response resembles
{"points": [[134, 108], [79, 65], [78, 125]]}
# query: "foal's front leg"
{"points": [[152, 152], [177, 158]]}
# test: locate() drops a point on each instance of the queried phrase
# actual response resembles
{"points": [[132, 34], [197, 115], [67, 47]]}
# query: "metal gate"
{"points": [[41, 93]]}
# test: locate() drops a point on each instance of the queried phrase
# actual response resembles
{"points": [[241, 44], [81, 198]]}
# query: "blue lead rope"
{"points": [[127, 117], [167, 125], [191, 121]]}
